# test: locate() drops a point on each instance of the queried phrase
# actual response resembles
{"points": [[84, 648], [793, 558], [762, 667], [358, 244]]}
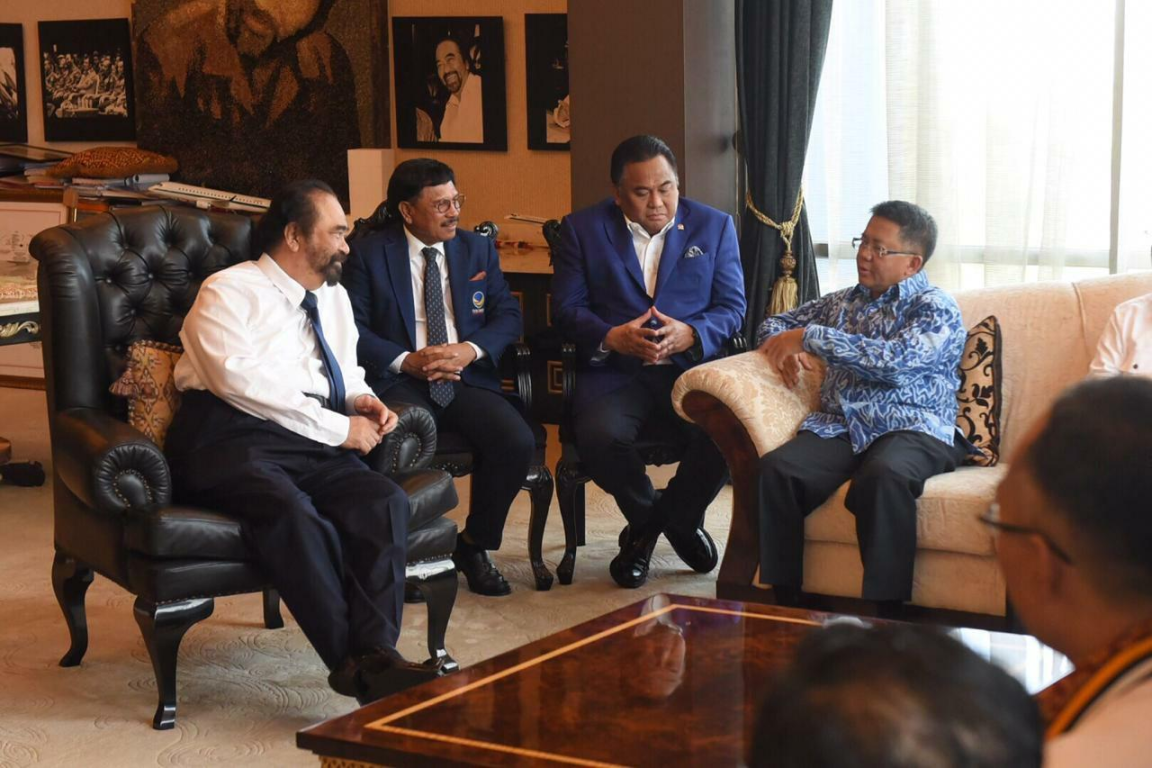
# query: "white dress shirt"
{"points": [[416, 266], [1113, 731], [248, 341], [1126, 344], [649, 249], [464, 113]]}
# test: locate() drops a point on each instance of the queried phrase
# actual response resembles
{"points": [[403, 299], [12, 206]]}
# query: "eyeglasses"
{"points": [[442, 206], [876, 250], [991, 518]]}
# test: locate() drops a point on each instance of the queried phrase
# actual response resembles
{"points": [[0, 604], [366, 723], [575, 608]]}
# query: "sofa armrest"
{"points": [[766, 407], [411, 445], [107, 464]]}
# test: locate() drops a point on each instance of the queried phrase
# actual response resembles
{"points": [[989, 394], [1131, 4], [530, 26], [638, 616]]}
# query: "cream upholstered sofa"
{"points": [[1049, 333]]}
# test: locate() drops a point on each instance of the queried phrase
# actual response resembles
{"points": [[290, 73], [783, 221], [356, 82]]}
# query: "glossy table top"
{"points": [[666, 681]]}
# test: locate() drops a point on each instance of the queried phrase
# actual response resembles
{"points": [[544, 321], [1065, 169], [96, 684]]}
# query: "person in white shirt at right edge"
{"points": [[1126, 344], [464, 113]]}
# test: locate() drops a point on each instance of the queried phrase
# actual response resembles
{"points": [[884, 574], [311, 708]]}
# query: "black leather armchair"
{"points": [[130, 275]]}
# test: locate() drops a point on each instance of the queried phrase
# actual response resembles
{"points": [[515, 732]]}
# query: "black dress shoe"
{"points": [[377, 674], [696, 549], [481, 573], [629, 569]]}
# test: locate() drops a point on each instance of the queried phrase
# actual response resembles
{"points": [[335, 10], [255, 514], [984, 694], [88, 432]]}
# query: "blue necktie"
{"points": [[441, 392], [331, 367]]}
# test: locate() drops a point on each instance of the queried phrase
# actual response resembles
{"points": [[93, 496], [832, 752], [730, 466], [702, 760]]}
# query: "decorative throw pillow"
{"points": [[978, 398], [150, 387], [112, 163]]}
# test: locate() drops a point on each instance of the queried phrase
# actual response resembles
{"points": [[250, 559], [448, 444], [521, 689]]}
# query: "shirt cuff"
{"points": [[480, 354], [601, 353], [398, 362]]}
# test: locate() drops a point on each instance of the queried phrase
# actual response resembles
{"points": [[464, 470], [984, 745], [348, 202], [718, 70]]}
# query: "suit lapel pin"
{"points": [[680, 227]]}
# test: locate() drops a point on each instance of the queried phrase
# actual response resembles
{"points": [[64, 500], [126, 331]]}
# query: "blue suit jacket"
{"points": [[597, 284], [378, 277]]}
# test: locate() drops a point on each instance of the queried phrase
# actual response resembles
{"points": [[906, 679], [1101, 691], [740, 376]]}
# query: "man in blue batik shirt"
{"points": [[887, 418]]}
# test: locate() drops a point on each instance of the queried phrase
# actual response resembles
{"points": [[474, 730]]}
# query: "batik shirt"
{"points": [[892, 361]]}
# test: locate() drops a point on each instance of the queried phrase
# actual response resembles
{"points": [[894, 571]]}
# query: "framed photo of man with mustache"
{"points": [[450, 82]]}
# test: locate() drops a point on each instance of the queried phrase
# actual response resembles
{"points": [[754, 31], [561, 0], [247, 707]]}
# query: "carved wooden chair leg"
{"points": [[163, 627], [440, 595], [272, 617], [70, 582], [539, 486], [570, 493]]}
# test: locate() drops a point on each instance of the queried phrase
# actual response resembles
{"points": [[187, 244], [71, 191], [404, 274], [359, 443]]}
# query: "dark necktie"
{"points": [[435, 324], [331, 367]]}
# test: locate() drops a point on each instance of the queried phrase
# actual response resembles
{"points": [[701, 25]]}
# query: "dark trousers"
{"points": [[330, 533], [501, 442], [606, 432], [887, 478]]}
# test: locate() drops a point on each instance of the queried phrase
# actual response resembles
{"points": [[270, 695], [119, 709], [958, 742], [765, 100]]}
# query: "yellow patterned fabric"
{"points": [[148, 384], [978, 399]]}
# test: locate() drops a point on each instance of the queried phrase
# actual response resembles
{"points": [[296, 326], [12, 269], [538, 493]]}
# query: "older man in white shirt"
{"points": [[274, 411]]}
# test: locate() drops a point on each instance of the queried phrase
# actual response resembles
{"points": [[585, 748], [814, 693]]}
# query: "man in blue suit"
{"points": [[647, 284], [435, 314]]}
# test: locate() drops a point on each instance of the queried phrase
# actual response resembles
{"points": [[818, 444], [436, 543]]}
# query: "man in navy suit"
{"points": [[647, 284], [434, 315]]}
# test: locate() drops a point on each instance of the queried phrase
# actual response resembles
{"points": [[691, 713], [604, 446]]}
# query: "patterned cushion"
{"points": [[978, 398], [148, 384], [112, 163]]}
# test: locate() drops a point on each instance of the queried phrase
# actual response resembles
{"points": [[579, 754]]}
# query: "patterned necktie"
{"points": [[331, 367], [435, 324]]}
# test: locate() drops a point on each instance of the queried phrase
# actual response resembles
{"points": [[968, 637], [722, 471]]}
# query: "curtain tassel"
{"points": [[785, 291]]}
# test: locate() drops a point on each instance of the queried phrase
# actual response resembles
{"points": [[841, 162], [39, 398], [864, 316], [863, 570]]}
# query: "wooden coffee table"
{"points": [[666, 681]]}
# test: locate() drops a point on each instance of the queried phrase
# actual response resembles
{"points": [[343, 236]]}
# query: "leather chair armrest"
{"points": [[411, 445], [765, 406], [107, 464]]}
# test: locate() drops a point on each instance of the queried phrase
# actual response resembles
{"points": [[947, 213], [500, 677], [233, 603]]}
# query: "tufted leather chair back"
{"points": [[120, 277]]}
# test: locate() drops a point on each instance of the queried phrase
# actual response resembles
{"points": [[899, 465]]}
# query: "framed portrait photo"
{"points": [[546, 51], [450, 87], [13, 91], [86, 80]]}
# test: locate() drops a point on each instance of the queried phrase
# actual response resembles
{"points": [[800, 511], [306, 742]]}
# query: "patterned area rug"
{"points": [[245, 691]]}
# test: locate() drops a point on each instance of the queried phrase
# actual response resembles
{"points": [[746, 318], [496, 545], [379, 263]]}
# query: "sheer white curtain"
{"points": [[998, 118]]}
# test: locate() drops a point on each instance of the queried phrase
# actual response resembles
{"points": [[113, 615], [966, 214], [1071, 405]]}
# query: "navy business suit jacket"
{"points": [[378, 277], [597, 284]]}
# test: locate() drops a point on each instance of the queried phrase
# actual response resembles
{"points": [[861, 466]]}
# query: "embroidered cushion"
{"points": [[979, 399], [112, 163], [150, 387]]}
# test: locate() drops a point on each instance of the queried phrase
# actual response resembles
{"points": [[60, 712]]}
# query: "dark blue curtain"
{"points": [[779, 56]]}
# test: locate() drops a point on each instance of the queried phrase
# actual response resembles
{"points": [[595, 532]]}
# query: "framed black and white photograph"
{"points": [[13, 92], [86, 80], [450, 90], [546, 51], [267, 93]]}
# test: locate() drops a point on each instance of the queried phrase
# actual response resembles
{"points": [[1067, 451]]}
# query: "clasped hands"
{"points": [[785, 353], [367, 428], [637, 339]]}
